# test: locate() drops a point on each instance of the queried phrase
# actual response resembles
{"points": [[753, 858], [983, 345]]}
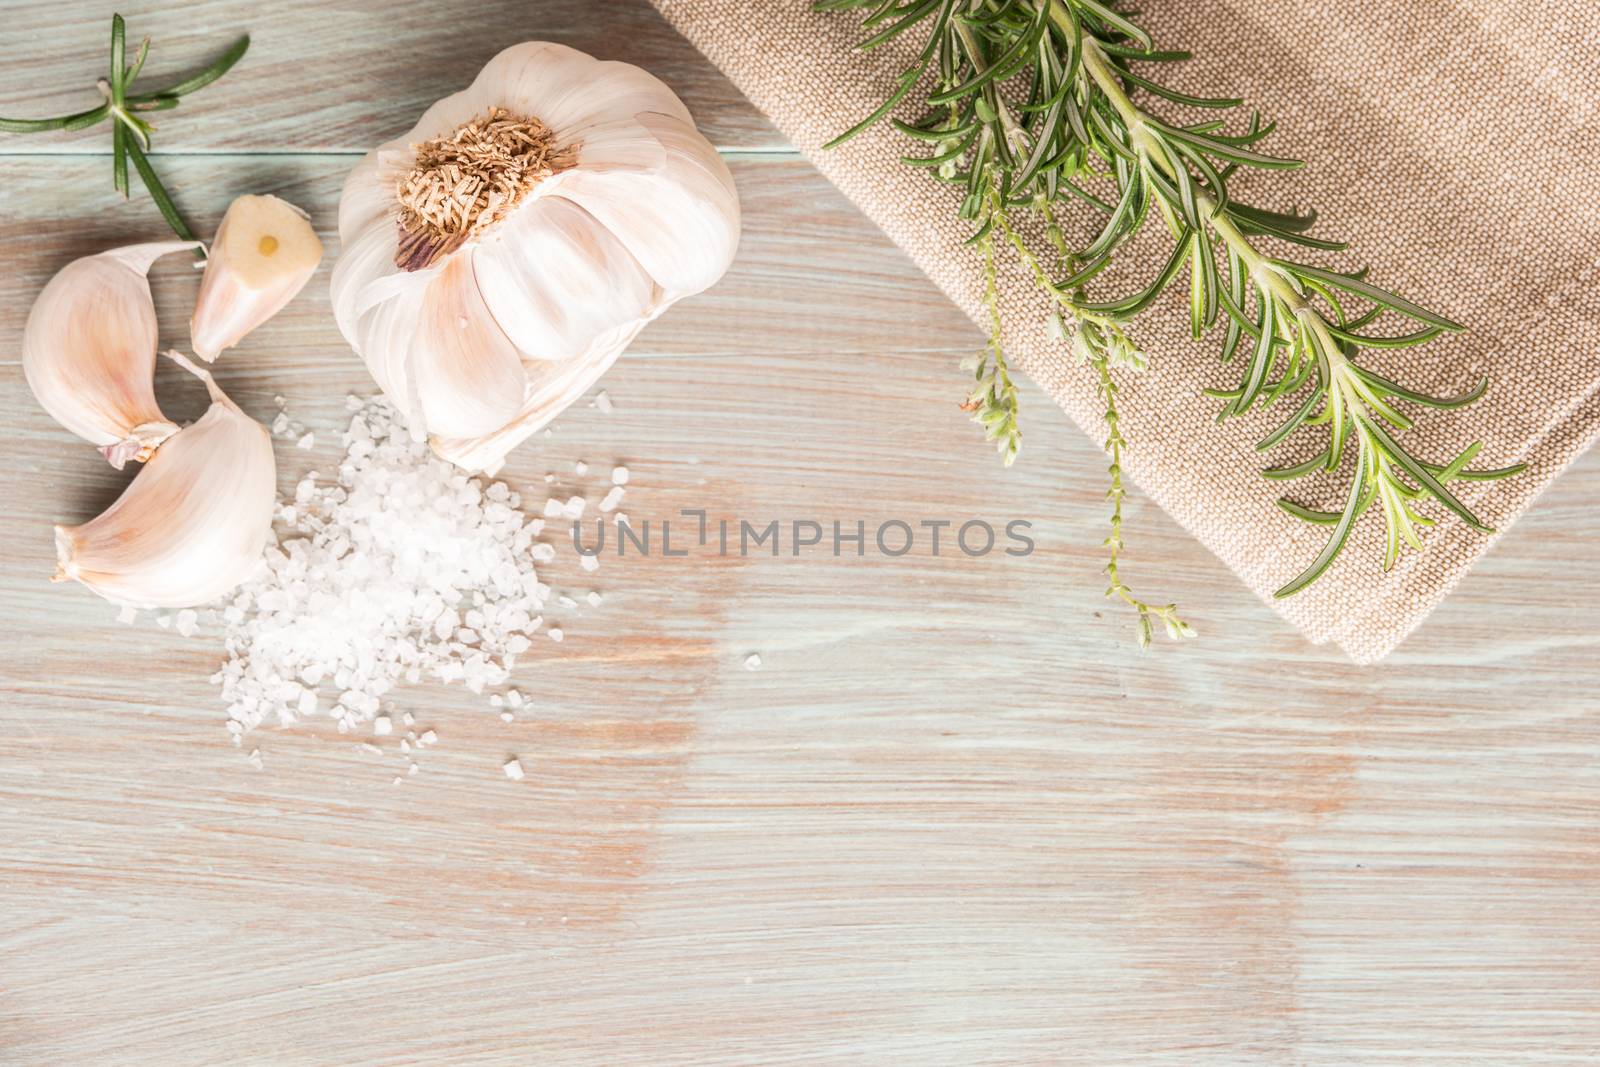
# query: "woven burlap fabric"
{"points": [[1454, 143]]}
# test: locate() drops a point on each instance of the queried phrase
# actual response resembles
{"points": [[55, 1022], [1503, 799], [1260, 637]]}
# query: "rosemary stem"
{"points": [[1266, 274], [1014, 132], [1115, 443], [1107, 387]]}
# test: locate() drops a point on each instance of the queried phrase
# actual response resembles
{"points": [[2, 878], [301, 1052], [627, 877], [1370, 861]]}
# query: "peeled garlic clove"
{"points": [[191, 526], [89, 351], [264, 253]]}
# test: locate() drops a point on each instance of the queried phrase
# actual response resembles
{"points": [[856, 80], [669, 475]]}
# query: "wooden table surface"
{"points": [[956, 818]]}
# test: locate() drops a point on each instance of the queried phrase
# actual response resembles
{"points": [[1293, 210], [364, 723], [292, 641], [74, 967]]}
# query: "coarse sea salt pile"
{"points": [[401, 568]]}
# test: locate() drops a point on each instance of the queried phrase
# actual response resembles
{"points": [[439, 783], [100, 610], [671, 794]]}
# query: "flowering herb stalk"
{"points": [[1046, 106], [130, 131]]}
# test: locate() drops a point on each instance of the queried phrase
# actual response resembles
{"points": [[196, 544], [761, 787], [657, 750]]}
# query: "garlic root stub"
{"points": [[89, 351], [192, 525], [264, 253], [497, 258]]}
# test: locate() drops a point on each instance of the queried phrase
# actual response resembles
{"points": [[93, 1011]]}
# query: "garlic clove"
{"points": [[191, 526], [552, 81], [468, 376], [368, 195], [89, 351], [570, 90], [552, 388], [377, 308], [681, 224], [554, 279], [264, 253]]}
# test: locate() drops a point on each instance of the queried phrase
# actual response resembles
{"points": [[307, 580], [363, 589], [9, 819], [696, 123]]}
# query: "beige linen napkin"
{"points": [[1454, 143]]}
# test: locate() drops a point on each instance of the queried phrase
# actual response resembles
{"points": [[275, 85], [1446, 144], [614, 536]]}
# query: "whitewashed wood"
{"points": [[955, 819], [327, 77]]}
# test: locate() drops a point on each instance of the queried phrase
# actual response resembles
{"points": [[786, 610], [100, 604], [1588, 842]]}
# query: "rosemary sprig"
{"points": [[1031, 104], [1095, 353], [130, 132]]}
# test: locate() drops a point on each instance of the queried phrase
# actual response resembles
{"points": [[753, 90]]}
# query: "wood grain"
{"points": [[323, 77], [955, 819]]}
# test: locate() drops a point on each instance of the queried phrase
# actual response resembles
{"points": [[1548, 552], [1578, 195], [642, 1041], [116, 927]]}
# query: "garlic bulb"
{"points": [[264, 253], [192, 525], [499, 257], [89, 351]]}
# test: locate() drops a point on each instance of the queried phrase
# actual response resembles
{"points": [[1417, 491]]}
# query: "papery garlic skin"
{"points": [[264, 253], [89, 351], [192, 525], [488, 343]]}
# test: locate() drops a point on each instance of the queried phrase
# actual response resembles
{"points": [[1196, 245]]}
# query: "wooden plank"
{"points": [[323, 77], [804, 249], [956, 817]]}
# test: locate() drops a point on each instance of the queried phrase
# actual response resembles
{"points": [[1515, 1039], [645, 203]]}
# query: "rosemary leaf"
{"points": [[130, 133], [1031, 105]]}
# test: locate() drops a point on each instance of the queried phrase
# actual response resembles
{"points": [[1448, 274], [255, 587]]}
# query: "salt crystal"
{"points": [[184, 622], [612, 498], [513, 769], [557, 634], [590, 563], [752, 662], [374, 749], [603, 401], [506, 716], [619, 476], [280, 425], [580, 467], [566, 601], [163, 621], [497, 701], [549, 479], [255, 758], [413, 769], [594, 599], [408, 718], [307, 441], [396, 567], [428, 737], [514, 698]]}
